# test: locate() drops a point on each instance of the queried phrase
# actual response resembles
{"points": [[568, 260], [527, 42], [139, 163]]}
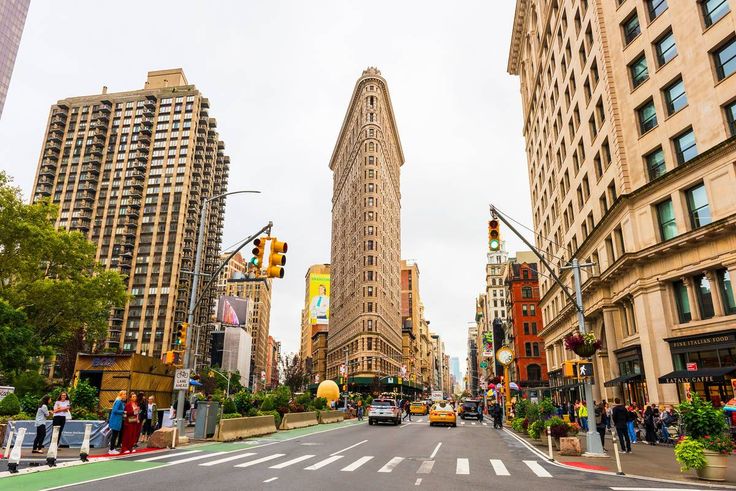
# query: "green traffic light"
{"points": [[494, 244]]}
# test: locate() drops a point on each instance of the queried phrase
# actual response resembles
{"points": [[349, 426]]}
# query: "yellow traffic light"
{"points": [[276, 259], [169, 357], [181, 334], [258, 251], [494, 235]]}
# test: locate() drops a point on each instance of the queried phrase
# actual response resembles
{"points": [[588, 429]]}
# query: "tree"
{"points": [[52, 277], [18, 342], [295, 377]]}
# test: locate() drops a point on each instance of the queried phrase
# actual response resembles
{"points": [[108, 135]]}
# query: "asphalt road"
{"points": [[362, 457]]}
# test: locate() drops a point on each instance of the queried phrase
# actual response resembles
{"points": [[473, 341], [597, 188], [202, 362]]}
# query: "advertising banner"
{"points": [[488, 344], [319, 299], [232, 311]]}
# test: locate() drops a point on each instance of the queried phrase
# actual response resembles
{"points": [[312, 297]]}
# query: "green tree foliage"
{"points": [[10, 405], [701, 418], [18, 341], [84, 396], [294, 375]]}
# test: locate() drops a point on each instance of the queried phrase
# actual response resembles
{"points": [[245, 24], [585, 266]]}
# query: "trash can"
{"points": [[207, 413]]}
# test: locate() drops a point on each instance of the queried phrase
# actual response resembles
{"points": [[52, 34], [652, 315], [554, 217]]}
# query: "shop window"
{"points": [[726, 288], [697, 206], [682, 302]]}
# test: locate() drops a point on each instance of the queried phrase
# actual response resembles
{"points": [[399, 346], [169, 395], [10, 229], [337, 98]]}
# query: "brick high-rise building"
{"points": [[129, 170], [12, 19], [411, 319], [313, 349], [629, 117], [366, 236]]}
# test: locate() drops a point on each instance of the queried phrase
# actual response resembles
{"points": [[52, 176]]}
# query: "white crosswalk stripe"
{"points": [[196, 457], [167, 456], [499, 468], [261, 460], [228, 459], [462, 466], [323, 463], [391, 464], [357, 464], [426, 467], [291, 462], [537, 468]]}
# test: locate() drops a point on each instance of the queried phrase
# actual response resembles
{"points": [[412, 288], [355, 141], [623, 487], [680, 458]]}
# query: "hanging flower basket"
{"points": [[583, 345]]}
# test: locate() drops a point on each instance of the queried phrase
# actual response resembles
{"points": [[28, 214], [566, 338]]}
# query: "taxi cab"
{"points": [[418, 408], [442, 412]]}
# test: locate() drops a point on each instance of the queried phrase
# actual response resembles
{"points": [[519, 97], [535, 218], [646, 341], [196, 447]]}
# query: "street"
{"points": [[471, 456]]}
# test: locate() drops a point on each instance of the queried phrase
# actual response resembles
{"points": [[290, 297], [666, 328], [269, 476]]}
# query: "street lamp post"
{"points": [[193, 295]]}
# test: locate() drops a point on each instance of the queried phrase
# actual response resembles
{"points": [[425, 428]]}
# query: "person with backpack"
{"points": [[601, 422]]}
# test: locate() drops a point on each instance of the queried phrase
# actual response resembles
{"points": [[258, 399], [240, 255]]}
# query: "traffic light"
{"points": [[181, 334], [276, 259], [169, 357], [494, 235], [258, 251]]}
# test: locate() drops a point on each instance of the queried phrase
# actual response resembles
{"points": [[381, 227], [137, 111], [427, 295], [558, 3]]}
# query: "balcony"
{"points": [[146, 122], [91, 161], [94, 169], [46, 180], [79, 224], [144, 139], [89, 177], [100, 132], [54, 137], [86, 186], [53, 147], [150, 102], [144, 130], [101, 116], [98, 124], [43, 190], [85, 205], [48, 170], [135, 194]]}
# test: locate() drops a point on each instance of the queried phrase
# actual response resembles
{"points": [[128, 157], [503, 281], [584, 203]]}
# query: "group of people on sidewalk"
{"points": [[132, 419]]}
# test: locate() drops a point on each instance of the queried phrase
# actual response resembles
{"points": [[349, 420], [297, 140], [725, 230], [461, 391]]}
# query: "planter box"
{"points": [[715, 467], [239, 428], [570, 446]]}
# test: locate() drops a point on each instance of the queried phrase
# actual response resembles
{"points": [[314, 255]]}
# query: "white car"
{"points": [[384, 410]]}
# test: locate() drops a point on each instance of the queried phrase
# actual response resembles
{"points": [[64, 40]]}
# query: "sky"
{"points": [[279, 76]]}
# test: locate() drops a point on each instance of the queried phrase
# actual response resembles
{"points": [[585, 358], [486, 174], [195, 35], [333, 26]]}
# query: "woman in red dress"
{"points": [[131, 424]]}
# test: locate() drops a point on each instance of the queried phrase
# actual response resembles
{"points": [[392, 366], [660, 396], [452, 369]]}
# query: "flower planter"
{"points": [[715, 467], [586, 350]]}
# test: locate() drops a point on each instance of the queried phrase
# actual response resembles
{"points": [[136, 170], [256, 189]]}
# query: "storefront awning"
{"points": [[632, 377], [702, 375]]}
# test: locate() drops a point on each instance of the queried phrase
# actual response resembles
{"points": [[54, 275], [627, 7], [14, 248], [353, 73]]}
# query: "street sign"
{"points": [[692, 367], [484, 364], [390, 380], [343, 369], [585, 370], [181, 379], [488, 354]]}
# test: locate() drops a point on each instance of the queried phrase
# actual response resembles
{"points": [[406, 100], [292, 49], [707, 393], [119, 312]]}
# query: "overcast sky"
{"points": [[279, 75]]}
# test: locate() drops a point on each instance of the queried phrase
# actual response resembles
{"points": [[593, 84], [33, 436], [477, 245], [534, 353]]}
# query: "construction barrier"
{"points": [[331, 417], [239, 428], [291, 421]]}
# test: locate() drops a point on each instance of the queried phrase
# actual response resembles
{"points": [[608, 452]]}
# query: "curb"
{"points": [[611, 473]]}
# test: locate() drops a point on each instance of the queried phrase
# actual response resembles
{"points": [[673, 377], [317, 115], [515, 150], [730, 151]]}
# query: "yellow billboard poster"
{"points": [[319, 298]]}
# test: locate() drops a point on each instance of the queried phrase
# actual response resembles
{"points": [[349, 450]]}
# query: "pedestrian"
{"points": [[150, 419], [115, 421], [583, 415], [669, 418], [360, 410], [649, 426], [496, 414], [631, 422], [62, 411], [407, 409], [574, 407], [142, 412], [131, 424], [42, 414], [601, 422], [620, 417], [193, 400]]}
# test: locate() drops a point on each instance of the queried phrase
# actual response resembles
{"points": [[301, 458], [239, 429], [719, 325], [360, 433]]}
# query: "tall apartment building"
{"points": [[314, 331], [629, 116], [366, 236], [471, 362], [411, 320], [129, 170], [12, 19], [259, 292]]}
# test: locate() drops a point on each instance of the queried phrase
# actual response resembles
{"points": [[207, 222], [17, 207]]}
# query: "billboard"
{"points": [[232, 311], [319, 298]]}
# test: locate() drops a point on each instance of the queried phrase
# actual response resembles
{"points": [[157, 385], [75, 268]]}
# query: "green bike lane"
{"points": [[66, 476]]}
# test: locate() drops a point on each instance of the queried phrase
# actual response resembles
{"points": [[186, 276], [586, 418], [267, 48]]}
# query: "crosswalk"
{"points": [[461, 423], [463, 466]]}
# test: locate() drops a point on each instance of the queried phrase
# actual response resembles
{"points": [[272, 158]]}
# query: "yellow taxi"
{"points": [[442, 412], [418, 408]]}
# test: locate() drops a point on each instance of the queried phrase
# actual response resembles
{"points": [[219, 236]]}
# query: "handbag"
{"points": [[132, 419]]}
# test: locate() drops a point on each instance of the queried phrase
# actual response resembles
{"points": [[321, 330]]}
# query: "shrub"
{"points": [[29, 382], [275, 414], [518, 425], [722, 444], [690, 453], [532, 412], [229, 407], [573, 429], [252, 412], [701, 418], [319, 403], [558, 428], [231, 415], [535, 429], [29, 403], [521, 408], [367, 401], [268, 404], [304, 399], [10, 405], [84, 396], [525, 424], [546, 408], [243, 401], [84, 414]]}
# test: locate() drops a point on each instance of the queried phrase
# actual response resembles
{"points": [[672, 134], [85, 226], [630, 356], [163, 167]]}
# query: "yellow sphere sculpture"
{"points": [[329, 390]]}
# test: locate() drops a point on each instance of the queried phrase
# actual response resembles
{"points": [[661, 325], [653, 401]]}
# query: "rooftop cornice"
{"points": [[517, 35]]}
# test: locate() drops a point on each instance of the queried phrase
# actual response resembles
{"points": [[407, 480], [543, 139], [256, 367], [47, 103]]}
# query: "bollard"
{"points": [[6, 454], [176, 434], [615, 451], [15, 453], [549, 442], [84, 450], [53, 447]]}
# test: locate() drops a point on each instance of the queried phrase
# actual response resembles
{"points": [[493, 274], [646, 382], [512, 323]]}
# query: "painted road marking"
{"points": [[537, 468], [418, 482], [167, 456], [291, 462], [261, 460], [436, 449], [462, 466], [426, 467], [323, 463], [357, 464], [270, 480], [348, 448], [462, 423], [196, 457], [228, 459], [499, 468], [485, 424], [391, 464], [651, 489]]}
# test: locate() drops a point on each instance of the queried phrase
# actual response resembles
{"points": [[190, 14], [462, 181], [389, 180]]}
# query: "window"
{"points": [[675, 97], [713, 10], [535, 349], [647, 116], [631, 28], [639, 71], [526, 292], [666, 219], [725, 58], [704, 296], [726, 288], [666, 48], [524, 309], [731, 118], [682, 302], [685, 146], [697, 206], [528, 349], [526, 328], [534, 328], [656, 7], [655, 164]]}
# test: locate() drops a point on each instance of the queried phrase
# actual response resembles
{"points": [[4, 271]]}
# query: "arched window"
{"points": [[534, 372]]}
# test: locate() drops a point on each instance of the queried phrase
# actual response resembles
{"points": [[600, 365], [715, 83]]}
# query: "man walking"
{"points": [[496, 415], [583, 416], [407, 409], [620, 416]]}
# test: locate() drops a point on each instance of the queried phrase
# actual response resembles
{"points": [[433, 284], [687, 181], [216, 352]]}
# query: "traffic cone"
{"points": [[84, 450], [51, 455], [15, 453]]}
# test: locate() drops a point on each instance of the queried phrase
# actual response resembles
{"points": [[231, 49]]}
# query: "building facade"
{"points": [[130, 171], [628, 116], [366, 236], [12, 20], [273, 358], [411, 320], [313, 347]]}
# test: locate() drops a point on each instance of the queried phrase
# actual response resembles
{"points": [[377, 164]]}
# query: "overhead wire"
{"points": [[537, 234]]}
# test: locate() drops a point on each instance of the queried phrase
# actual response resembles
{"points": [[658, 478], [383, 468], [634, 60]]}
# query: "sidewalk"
{"points": [[656, 461]]}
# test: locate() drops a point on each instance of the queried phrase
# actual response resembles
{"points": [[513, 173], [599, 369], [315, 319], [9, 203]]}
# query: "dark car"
{"points": [[471, 409]]}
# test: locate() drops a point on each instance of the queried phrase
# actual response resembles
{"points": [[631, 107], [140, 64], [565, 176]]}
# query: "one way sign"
{"points": [[585, 370]]}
